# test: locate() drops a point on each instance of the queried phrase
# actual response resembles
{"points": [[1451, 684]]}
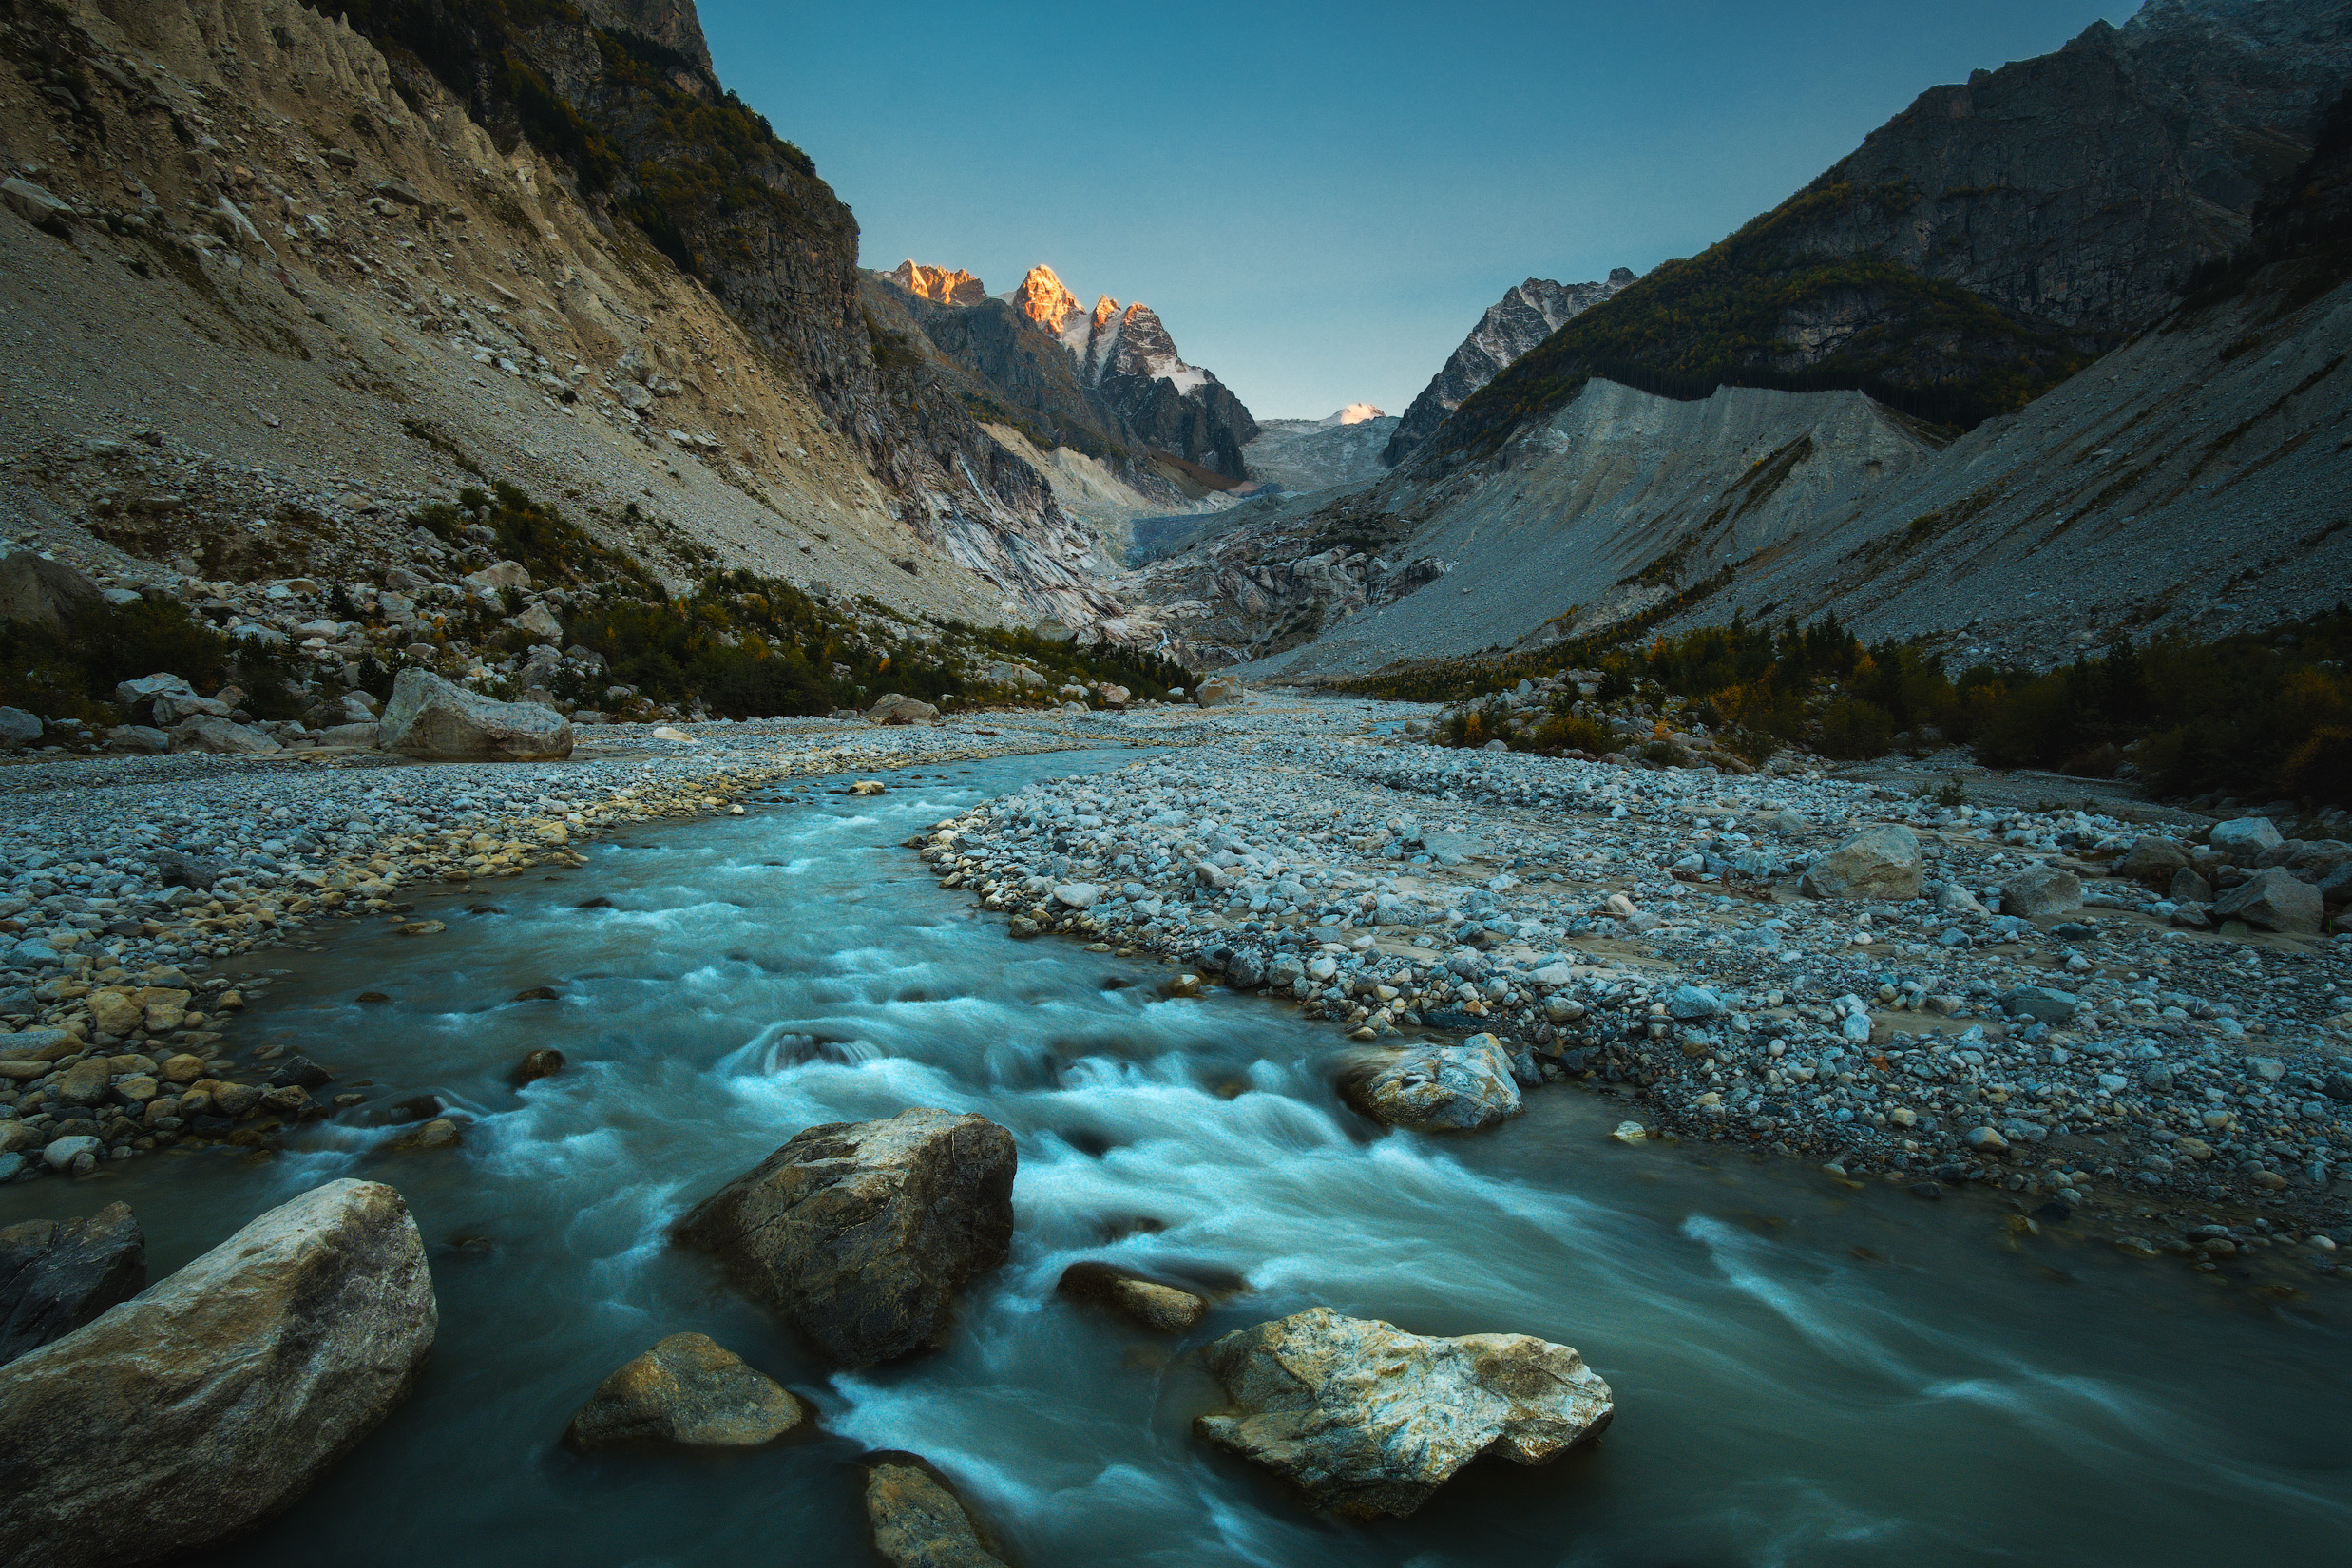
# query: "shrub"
{"points": [[1853, 728]]}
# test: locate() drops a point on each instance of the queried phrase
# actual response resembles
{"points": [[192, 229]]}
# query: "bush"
{"points": [[1853, 728], [73, 674]]}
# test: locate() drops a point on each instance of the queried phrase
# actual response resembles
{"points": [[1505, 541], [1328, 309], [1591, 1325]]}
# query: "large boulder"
{"points": [[1878, 862], [896, 709], [863, 1234], [1444, 1088], [2153, 861], [2243, 837], [190, 1414], [1367, 1420], [20, 728], [689, 1389], [429, 717], [2041, 892], [42, 593], [56, 1275], [918, 1521], [206, 733], [1219, 691], [2274, 900]]}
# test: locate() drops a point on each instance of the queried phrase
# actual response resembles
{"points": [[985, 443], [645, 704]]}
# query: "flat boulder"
{"points": [[1878, 862], [863, 1234], [57, 1274], [690, 1390], [2041, 892], [895, 709], [2244, 838], [431, 719], [2042, 1004], [2274, 900], [1366, 1420], [1442, 1088], [210, 733], [918, 1521], [204, 1406]]}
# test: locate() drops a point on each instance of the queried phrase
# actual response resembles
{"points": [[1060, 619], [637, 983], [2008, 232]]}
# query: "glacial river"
{"points": [[1805, 1372]]}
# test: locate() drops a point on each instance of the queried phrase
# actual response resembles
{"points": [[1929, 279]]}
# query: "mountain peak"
{"points": [[938, 284], [1355, 413], [1044, 299]]}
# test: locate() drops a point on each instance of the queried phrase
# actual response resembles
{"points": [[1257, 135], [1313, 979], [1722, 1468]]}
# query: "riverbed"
{"points": [[1807, 1370]]}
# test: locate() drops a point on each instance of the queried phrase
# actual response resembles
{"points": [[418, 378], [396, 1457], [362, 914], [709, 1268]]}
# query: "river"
{"points": [[1807, 1371]]}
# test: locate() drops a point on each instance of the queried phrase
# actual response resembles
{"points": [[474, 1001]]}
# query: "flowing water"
{"points": [[1805, 1372]]}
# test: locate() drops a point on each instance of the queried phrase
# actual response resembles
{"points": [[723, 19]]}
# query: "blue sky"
{"points": [[1320, 199]]}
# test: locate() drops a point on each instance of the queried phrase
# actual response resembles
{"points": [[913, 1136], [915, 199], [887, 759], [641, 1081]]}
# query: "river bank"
{"points": [[720, 983]]}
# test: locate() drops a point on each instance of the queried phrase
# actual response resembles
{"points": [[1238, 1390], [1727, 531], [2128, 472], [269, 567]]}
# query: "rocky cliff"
{"points": [[1985, 243], [1524, 317], [451, 242], [1314, 454], [938, 284]]}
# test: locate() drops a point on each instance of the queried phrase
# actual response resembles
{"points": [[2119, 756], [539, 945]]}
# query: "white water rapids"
{"points": [[1805, 1373]]}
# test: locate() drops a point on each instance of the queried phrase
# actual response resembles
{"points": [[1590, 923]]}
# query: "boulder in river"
{"points": [[57, 1274], [1447, 1088], [1164, 1308], [918, 1521], [689, 1389], [863, 1234], [1367, 1420], [202, 1406], [1878, 862], [429, 717]]}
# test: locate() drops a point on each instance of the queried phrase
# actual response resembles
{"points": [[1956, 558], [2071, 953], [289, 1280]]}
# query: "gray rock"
{"points": [[56, 1275], [42, 593], [1077, 895], [690, 1390], [428, 717], [38, 205], [367, 735], [188, 1415], [19, 728], [2153, 861], [1367, 1420], [1878, 862], [1451, 1089], [1690, 1002], [2273, 900], [918, 1521], [63, 1153], [2247, 836], [2042, 1004], [2041, 892], [2188, 888], [1219, 691], [895, 709], [138, 741], [864, 1235], [206, 733]]}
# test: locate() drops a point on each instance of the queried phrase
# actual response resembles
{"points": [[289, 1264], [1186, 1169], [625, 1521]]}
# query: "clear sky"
{"points": [[1320, 199]]}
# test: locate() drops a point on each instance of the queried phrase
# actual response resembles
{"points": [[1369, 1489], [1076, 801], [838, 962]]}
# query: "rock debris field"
{"points": [[2150, 1034]]}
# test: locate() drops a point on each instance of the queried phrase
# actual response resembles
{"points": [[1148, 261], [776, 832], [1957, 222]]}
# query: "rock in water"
{"points": [[218, 1397], [429, 717], [1368, 1419], [688, 1389], [1880, 862], [56, 1275], [1145, 1301], [918, 1521], [1455, 1088], [863, 1234]]}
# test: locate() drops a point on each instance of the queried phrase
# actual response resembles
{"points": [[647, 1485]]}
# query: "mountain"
{"points": [[1517, 323], [343, 266], [1314, 454], [1127, 356], [1982, 246], [939, 285]]}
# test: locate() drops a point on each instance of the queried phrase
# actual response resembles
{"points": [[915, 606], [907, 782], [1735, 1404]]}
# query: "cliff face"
{"points": [[656, 148], [1127, 392], [938, 285], [1517, 323], [1985, 243]]}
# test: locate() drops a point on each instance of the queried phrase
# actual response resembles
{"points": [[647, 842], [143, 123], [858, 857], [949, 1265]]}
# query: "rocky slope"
{"points": [[1985, 243], [321, 285], [1524, 317], [1314, 454]]}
